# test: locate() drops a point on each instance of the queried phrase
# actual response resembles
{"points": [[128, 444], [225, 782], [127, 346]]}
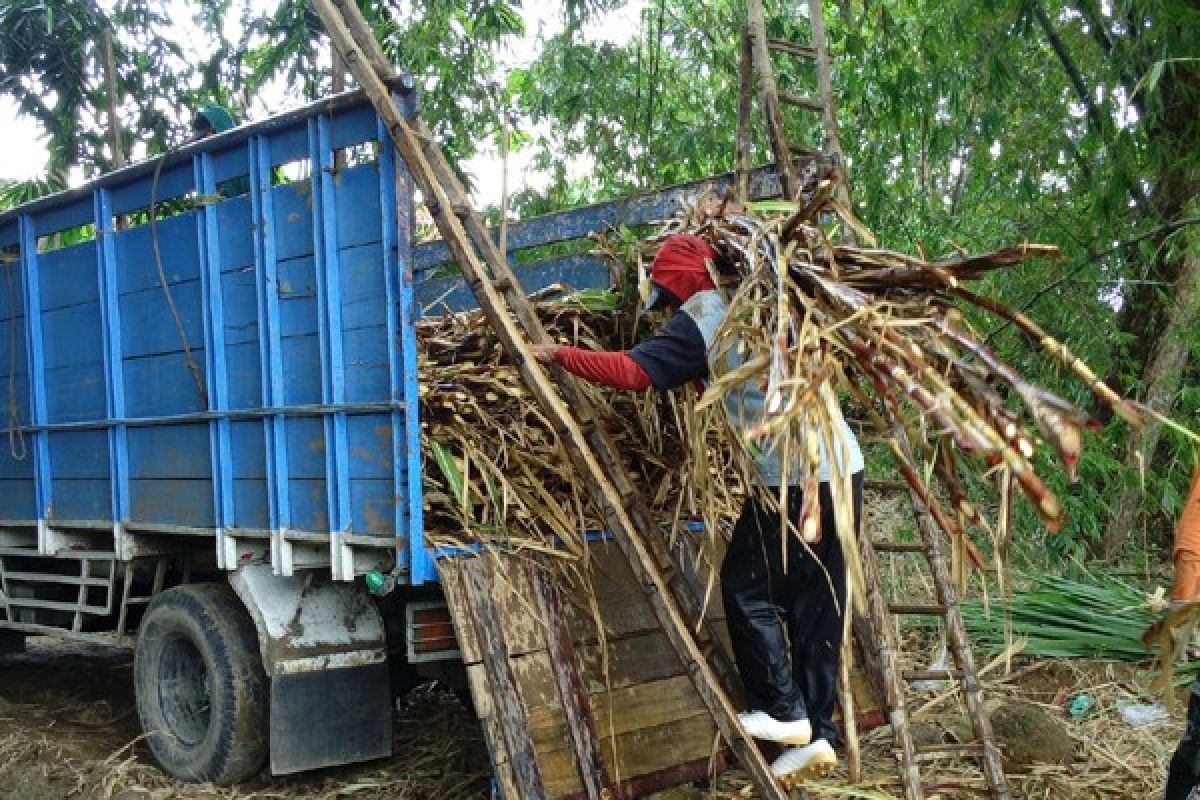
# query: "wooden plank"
{"points": [[638, 753], [449, 572], [485, 709], [643, 705], [572, 694], [632, 660], [510, 711]]}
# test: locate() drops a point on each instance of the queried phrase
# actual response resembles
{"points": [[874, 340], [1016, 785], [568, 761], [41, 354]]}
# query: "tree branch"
{"points": [[1161, 230], [1095, 120]]}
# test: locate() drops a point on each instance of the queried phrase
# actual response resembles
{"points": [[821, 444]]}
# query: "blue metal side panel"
{"points": [[219, 430], [172, 182], [69, 215], [74, 381], [118, 441], [329, 297], [295, 303], [246, 474], [396, 184], [37, 375], [582, 271], [394, 242], [270, 344], [17, 491]]}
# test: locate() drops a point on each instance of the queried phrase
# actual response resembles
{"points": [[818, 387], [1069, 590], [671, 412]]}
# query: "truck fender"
{"points": [[324, 651]]}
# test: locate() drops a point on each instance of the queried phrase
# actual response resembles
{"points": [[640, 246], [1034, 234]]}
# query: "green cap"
{"points": [[214, 118]]}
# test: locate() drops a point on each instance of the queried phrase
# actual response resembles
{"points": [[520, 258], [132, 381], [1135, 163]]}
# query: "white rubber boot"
{"points": [[804, 763], [762, 725]]}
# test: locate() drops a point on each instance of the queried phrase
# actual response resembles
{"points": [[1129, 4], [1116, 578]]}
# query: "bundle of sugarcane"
{"points": [[494, 468], [809, 319]]}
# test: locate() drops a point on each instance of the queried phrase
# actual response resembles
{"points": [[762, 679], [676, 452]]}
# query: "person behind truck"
{"points": [[792, 689], [209, 121], [1183, 775]]}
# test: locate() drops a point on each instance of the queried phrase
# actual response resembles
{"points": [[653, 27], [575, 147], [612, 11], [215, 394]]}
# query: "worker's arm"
{"points": [[614, 370], [671, 358]]}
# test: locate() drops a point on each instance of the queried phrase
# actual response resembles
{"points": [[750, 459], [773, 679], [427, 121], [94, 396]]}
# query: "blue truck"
{"points": [[208, 362]]}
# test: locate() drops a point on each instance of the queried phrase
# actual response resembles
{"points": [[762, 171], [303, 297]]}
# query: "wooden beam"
{"points": [[833, 143], [572, 693], [506, 696], [802, 102]]}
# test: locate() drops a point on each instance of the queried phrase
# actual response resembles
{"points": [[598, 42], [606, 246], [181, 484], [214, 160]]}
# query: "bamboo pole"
{"points": [[769, 98], [745, 103], [846, 701], [956, 631], [504, 133], [824, 68], [110, 89], [580, 432]]}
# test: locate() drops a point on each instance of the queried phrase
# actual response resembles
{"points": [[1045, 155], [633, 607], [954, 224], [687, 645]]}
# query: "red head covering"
{"points": [[679, 266]]}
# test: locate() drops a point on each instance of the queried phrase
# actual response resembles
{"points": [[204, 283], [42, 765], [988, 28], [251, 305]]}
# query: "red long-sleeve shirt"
{"points": [[615, 370]]}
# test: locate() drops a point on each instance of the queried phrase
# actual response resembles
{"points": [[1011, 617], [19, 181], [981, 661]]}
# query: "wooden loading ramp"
{"points": [[525, 645]]}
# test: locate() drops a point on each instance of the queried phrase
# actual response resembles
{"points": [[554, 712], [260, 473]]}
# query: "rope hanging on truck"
{"points": [[162, 281]]}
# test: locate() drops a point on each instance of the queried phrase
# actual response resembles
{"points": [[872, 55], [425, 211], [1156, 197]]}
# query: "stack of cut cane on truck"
{"points": [[818, 324]]}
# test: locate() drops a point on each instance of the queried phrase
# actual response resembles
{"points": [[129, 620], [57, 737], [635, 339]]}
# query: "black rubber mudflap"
{"points": [[333, 716]]}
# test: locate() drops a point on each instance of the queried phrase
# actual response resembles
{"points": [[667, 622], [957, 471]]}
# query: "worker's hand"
{"points": [[544, 352]]}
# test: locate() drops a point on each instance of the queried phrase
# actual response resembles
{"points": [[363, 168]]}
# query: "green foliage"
{"points": [[1095, 617]]}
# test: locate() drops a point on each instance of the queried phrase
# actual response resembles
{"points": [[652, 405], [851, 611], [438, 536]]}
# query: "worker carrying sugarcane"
{"points": [[792, 690]]}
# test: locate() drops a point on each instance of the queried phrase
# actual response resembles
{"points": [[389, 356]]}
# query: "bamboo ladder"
{"points": [[572, 416], [876, 633]]}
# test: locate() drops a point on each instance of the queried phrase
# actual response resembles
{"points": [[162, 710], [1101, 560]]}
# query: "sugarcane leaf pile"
{"points": [[495, 472]]}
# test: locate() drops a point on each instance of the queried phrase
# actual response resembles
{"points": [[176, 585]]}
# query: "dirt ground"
{"points": [[68, 729]]}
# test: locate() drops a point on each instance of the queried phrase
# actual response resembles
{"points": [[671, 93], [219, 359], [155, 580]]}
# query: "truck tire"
{"points": [[11, 642], [200, 685]]}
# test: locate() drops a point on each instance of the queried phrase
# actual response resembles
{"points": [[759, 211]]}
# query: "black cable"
{"points": [[162, 279]]}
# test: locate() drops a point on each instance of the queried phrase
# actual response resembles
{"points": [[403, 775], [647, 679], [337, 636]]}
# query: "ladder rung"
{"points": [[932, 674], [922, 610], [784, 46], [797, 100], [899, 547]]}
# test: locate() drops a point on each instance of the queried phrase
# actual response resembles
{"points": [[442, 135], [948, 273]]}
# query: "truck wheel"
{"points": [[11, 642], [200, 686]]}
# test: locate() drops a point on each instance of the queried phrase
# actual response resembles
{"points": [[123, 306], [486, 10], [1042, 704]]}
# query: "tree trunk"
{"points": [[1160, 324], [1162, 378]]}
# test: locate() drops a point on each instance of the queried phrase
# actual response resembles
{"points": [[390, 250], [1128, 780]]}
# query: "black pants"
{"points": [[808, 597], [1184, 772]]}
